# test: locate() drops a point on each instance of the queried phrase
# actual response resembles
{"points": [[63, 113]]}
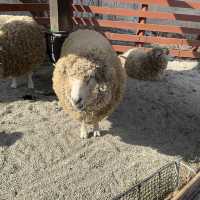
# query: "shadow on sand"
{"points": [[9, 139], [164, 115], [43, 90]]}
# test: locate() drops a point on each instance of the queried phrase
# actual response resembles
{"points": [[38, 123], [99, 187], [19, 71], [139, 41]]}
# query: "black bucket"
{"points": [[54, 44]]}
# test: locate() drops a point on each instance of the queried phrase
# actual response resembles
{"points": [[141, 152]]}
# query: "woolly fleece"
{"points": [[146, 65], [82, 52], [23, 45]]}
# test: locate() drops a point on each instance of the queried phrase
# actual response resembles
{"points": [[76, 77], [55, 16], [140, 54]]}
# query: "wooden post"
{"points": [[60, 15], [142, 20]]}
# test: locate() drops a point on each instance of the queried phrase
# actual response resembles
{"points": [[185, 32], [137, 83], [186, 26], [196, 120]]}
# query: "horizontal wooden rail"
{"points": [[43, 20], [135, 13], [168, 3], [151, 39], [133, 26], [129, 25], [177, 53], [24, 7]]}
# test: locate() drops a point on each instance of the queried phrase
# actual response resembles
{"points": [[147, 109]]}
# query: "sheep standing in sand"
{"points": [[145, 65], [88, 78], [23, 47]]}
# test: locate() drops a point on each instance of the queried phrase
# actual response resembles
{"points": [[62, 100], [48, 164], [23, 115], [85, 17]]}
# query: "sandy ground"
{"points": [[42, 157]]}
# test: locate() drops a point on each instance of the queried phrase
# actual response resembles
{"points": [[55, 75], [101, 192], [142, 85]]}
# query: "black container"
{"points": [[54, 44]]}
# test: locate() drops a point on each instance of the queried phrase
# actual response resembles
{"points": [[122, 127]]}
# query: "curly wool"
{"points": [[23, 45], [144, 65], [82, 52]]}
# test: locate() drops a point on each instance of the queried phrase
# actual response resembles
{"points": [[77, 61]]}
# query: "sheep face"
{"points": [[87, 78], [160, 55], [81, 91]]}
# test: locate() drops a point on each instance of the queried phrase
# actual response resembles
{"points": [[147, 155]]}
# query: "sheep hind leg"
{"points": [[14, 83], [96, 130], [84, 133], [30, 81]]}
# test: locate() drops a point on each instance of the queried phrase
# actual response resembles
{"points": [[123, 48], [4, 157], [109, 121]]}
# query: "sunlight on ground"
{"points": [[182, 65]]}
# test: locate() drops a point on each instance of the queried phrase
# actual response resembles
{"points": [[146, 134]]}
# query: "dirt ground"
{"points": [[42, 157]]}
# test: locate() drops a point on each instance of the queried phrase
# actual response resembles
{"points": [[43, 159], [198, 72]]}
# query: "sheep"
{"points": [[145, 65], [23, 47], [88, 79]]}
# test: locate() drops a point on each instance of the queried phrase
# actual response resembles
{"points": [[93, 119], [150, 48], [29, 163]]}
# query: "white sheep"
{"points": [[88, 78], [23, 47], [145, 65]]}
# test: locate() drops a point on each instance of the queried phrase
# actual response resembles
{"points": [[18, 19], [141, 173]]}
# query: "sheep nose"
{"points": [[77, 101]]}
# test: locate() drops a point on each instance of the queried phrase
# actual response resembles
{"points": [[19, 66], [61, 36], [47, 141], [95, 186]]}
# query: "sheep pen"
{"points": [[23, 47], [88, 78], [43, 157]]}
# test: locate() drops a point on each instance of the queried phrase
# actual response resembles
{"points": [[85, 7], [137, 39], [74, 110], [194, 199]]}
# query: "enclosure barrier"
{"points": [[155, 187], [125, 33], [163, 184], [35, 8]]}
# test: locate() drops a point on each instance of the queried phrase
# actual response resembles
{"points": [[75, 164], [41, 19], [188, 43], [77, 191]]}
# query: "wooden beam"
{"points": [[60, 15], [132, 26], [142, 13], [167, 3], [190, 190], [173, 52]]}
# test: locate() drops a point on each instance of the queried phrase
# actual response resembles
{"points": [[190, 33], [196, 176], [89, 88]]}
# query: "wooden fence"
{"points": [[32, 7], [125, 34]]}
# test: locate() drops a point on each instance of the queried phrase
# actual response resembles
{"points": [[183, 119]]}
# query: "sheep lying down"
{"points": [[145, 65], [22, 45], [88, 79]]}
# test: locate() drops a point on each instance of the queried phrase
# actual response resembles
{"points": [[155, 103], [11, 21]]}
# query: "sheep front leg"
{"points": [[30, 81], [96, 130], [84, 133], [14, 83]]}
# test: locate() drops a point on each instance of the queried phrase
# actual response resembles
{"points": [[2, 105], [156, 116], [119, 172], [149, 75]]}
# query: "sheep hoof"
{"points": [[30, 83], [13, 86], [14, 83], [30, 86], [97, 134], [84, 135]]}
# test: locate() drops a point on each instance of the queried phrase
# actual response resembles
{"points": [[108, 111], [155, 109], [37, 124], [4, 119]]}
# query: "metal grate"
{"points": [[155, 187]]}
